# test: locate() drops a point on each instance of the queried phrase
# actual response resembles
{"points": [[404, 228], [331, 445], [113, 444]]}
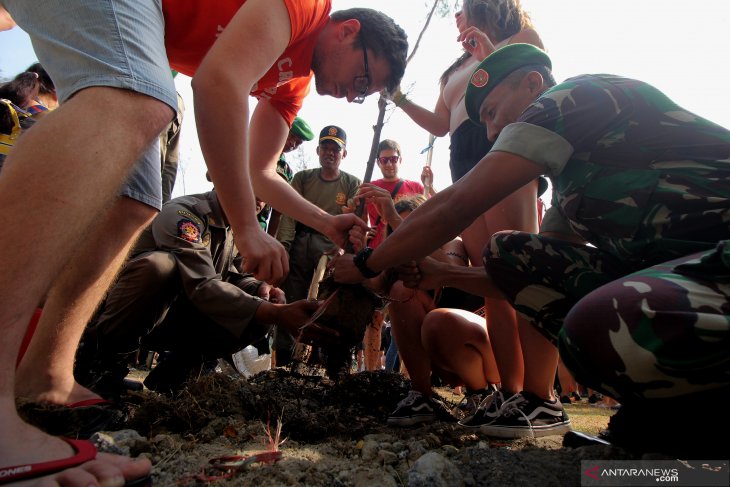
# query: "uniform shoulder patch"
{"points": [[190, 216], [188, 230]]}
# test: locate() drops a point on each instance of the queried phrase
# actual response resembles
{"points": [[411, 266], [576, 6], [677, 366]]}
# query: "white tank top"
{"points": [[454, 91]]}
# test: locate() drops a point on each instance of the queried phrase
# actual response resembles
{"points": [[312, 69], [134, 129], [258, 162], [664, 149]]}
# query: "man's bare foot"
{"points": [[22, 444]]}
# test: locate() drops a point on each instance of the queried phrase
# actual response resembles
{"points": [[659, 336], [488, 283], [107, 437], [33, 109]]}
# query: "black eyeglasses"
{"points": [[362, 83], [389, 159]]}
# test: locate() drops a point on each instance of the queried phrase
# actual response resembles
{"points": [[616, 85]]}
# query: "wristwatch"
{"points": [[360, 262]]}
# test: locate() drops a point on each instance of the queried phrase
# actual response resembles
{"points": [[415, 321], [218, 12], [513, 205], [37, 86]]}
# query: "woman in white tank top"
{"points": [[484, 26]]}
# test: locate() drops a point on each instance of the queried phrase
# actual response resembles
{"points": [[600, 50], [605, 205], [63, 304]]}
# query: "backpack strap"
{"points": [[7, 141]]}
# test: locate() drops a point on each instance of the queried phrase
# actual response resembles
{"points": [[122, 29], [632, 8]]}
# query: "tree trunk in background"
{"points": [[378, 127]]}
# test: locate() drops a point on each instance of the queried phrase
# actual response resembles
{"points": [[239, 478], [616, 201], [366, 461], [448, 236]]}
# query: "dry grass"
{"points": [[588, 418], [584, 417]]}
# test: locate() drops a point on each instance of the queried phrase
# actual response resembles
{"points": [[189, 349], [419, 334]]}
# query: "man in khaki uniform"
{"points": [[328, 188], [181, 291]]}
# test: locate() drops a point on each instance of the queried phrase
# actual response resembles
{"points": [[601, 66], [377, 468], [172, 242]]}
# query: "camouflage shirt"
{"points": [[632, 172]]}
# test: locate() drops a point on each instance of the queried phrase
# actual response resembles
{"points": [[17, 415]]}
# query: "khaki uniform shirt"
{"points": [[194, 229]]}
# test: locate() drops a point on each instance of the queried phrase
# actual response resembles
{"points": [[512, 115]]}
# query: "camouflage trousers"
{"points": [[630, 331]]}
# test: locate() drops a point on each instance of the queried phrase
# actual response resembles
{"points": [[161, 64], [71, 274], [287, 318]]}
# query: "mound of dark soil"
{"points": [[312, 408]]}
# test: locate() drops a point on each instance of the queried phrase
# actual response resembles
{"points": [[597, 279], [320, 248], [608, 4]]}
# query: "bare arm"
{"points": [[6, 21], [268, 134], [252, 41], [432, 274], [436, 221], [435, 122], [427, 180]]}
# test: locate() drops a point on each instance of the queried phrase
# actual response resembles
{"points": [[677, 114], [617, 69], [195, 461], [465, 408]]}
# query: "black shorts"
{"points": [[450, 297], [469, 144]]}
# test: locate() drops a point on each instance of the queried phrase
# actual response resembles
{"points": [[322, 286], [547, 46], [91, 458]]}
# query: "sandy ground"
{"points": [[335, 434]]}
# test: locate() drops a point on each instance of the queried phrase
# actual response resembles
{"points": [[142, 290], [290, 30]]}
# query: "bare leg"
{"points": [[457, 342], [567, 383], [501, 321], [46, 371], [371, 342], [516, 212], [406, 318], [62, 175], [541, 361]]}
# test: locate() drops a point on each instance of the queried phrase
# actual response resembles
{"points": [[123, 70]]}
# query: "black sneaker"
{"points": [[414, 409], [472, 399], [487, 411], [595, 397], [527, 415]]}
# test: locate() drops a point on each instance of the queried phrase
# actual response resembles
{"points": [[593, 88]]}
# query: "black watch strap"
{"points": [[360, 262]]}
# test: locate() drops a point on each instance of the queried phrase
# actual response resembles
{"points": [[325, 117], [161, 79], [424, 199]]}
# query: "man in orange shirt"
{"points": [[110, 61]]}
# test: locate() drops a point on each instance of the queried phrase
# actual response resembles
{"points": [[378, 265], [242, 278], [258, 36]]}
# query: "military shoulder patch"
{"points": [[188, 230], [480, 78], [190, 216]]}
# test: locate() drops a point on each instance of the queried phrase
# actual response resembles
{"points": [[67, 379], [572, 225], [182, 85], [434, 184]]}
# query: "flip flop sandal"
{"points": [[89, 402], [85, 451]]}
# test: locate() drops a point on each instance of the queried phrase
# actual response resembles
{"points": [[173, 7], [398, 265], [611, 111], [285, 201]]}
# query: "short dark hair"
{"points": [[409, 203], [389, 144], [22, 89], [381, 34]]}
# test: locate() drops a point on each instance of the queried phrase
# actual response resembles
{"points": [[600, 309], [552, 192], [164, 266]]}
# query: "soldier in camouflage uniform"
{"points": [[642, 313]]}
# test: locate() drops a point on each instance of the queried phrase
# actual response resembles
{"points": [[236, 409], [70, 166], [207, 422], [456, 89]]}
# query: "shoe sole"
{"points": [[512, 432], [476, 426], [413, 420]]}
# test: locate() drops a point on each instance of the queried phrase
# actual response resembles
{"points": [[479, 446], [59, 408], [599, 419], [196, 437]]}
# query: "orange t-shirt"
{"points": [[192, 26]]}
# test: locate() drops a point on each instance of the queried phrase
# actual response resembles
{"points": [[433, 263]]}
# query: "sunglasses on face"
{"points": [[389, 159]]}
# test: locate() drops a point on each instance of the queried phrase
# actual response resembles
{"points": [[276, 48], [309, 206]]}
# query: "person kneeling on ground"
{"points": [[639, 315], [433, 332], [181, 292]]}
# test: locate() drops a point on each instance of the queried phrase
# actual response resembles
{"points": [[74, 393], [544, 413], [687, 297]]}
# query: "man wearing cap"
{"points": [[118, 54], [641, 315], [300, 131], [328, 188]]}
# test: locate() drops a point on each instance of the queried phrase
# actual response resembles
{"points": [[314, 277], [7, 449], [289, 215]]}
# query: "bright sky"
{"points": [[681, 47]]}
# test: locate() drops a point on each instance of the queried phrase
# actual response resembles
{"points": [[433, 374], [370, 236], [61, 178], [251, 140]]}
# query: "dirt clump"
{"points": [[334, 433]]}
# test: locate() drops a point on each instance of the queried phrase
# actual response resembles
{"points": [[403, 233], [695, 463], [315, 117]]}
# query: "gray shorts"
{"points": [[115, 43]]}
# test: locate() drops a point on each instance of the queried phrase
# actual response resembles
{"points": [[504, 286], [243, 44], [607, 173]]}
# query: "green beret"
{"points": [[300, 128], [495, 68]]}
